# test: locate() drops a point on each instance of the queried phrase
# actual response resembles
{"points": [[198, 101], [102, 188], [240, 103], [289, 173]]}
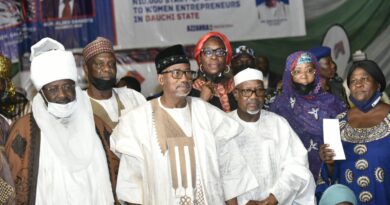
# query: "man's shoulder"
{"points": [[137, 111], [23, 121], [124, 91], [273, 117]]}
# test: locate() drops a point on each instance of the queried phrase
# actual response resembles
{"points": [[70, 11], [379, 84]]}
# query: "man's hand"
{"points": [[270, 200], [232, 202]]}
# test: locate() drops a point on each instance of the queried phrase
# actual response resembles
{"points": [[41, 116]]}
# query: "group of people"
{"points": [[208, 139]]}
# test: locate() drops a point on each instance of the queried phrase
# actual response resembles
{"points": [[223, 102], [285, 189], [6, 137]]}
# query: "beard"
{"points": [[256, 102], [253, 112]]}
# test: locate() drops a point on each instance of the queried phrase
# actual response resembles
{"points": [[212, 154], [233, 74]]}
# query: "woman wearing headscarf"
{"points": [[213, 54], [365, 135], [305, 105], [338, 194]]}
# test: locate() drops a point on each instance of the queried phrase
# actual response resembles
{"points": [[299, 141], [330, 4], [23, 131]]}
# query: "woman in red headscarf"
{"points": [[213, 54]]}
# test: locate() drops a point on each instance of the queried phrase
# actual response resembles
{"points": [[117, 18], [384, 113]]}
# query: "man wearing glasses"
{"points": [[271, 148], [177, 149]]}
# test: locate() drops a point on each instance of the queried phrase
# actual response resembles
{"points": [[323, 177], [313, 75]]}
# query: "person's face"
{"points": [[326, 64], [243, 60], [176, 80], [60, 91], [362, 85], [271, 3], [213, 64], [262, 65], [304, 73], [250, 96], [102, 66], [333, 69]]}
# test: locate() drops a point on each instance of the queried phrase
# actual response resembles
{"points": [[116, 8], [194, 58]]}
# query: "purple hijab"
{"points": [[305, 112]]}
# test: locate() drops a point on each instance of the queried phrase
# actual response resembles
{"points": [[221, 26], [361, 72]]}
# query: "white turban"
{"points": [[246, 75], [50, 62]]}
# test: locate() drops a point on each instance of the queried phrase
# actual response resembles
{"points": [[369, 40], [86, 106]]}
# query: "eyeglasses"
{"points": [[363, 80], [219, 52], [54, 90], [259, 92], [310, 71], [177, 74]]}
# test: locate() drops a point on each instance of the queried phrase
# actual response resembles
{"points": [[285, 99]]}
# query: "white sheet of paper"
{"points": [[332, 137]]}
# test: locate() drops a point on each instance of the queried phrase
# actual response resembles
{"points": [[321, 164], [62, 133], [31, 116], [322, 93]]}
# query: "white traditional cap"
{"points": [[359, 56], [50, 62], [247, 74]]}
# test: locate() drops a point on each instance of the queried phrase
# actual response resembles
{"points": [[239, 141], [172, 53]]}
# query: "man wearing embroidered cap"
{"points": [[271, 148], [55, 154], [178, 149], [100, 67]]}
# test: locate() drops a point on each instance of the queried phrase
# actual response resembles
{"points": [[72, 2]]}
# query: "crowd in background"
{"points": [[234, 132]]}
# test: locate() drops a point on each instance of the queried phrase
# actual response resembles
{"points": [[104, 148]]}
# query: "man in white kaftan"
{"points": [[271, 148], [178, 149], [56, 148], [107, 102]]}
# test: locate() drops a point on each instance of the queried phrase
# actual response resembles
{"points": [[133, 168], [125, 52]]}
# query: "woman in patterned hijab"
{"points": [[304, 104]]}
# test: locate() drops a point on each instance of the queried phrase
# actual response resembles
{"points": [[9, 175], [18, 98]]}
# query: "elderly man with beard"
{"points": [[100, 66], [271, 148], [56, 155], [178, 149]]}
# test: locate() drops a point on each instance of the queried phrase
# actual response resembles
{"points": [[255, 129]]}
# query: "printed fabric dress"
{"points": [[367, 165]]}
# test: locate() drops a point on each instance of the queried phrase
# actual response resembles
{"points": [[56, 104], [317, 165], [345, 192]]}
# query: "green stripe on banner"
{"points": [[363, 20]]}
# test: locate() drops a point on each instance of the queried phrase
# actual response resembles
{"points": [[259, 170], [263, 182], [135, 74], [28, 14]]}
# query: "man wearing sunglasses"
{"points": [[177, 149], [271, 148]]}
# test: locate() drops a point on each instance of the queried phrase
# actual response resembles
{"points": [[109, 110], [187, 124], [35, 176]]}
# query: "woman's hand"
{"points": [[326, 154], [207, 91]]}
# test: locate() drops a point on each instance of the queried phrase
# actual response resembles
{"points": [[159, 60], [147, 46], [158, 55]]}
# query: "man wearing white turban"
{"points": [[271, 148], [56, 155]]}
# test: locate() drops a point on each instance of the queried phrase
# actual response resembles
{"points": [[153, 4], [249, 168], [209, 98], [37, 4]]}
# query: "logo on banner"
{"points": [[337, 39]]}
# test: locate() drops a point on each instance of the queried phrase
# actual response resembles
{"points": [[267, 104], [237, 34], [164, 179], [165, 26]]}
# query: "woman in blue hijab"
{"points": [[305, 105]]}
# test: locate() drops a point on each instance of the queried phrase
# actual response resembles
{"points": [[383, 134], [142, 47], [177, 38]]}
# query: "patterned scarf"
{"points": [[221, 90]]}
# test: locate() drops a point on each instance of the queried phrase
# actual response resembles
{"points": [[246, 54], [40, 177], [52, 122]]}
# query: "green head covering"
{"points": [[336, 194]]}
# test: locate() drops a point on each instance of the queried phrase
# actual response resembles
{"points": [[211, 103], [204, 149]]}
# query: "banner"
{"points": [[133, 24], [157, 23], [73, 23]]}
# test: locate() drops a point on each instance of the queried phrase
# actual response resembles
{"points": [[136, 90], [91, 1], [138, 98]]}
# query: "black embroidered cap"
{"points": [[170, 56]]}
